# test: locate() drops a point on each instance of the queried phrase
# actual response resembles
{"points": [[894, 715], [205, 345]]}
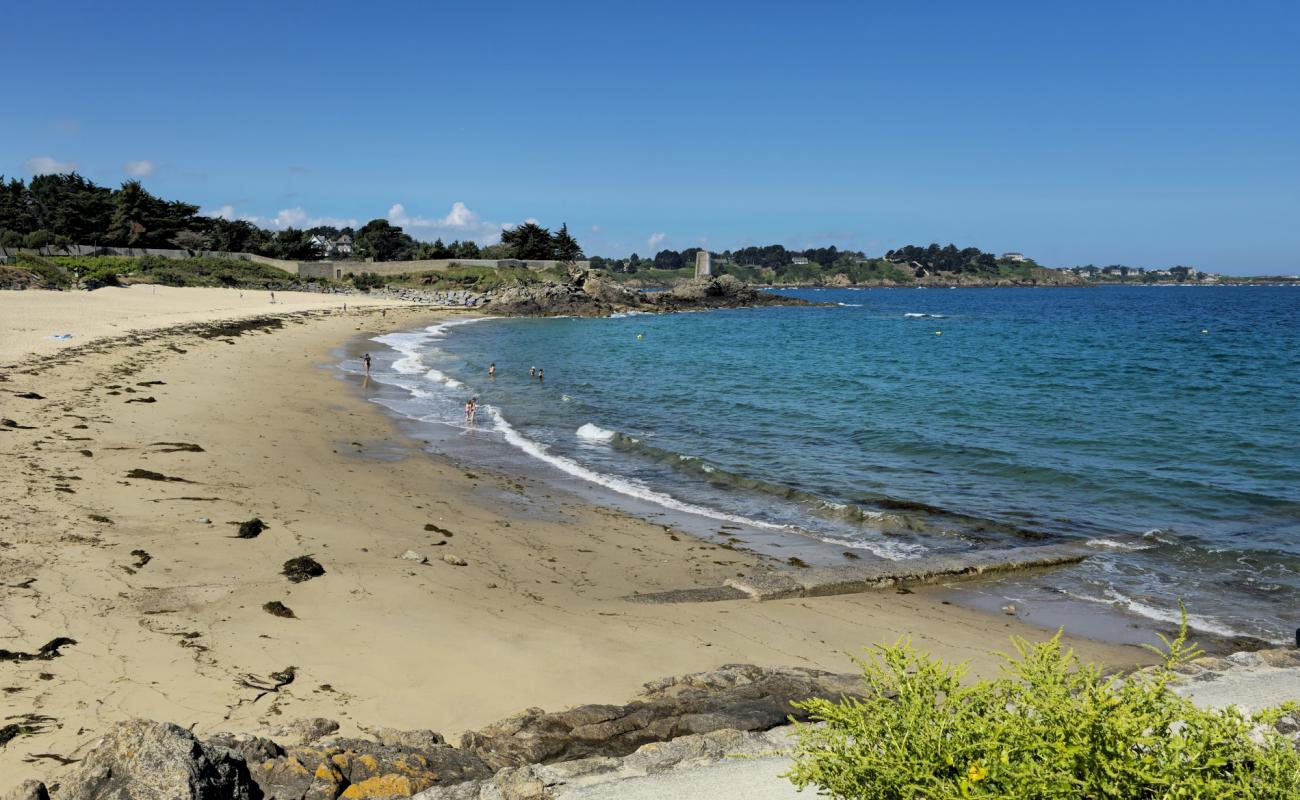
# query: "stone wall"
{"points": [[338, 269], [306, 269]]}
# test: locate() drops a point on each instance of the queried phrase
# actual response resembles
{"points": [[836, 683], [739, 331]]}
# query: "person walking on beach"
{"points": [[469, 411], [365, 362], [272, 297], [492, 371], [473, 409]]}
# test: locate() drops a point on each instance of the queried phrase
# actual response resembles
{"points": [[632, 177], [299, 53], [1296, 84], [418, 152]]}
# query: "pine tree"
{"points": [[566, 247]]}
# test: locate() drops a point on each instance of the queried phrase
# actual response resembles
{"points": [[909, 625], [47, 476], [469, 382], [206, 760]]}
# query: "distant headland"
{"points": [[65, 231]]}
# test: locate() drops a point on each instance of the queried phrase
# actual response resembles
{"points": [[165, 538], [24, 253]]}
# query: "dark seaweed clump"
{"points": [[302, 568]]}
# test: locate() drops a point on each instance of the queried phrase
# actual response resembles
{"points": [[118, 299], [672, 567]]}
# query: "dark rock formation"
{"points": [[716, 291], [358, 767], [592, 293], [143, 760], [737, 696]]}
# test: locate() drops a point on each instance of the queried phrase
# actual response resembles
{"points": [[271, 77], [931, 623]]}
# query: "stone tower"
{"points": [[703, 264]]}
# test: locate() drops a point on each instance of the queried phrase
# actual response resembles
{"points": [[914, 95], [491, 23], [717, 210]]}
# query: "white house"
{"points": [[343, 245], [798, 260], [1014, 257]]}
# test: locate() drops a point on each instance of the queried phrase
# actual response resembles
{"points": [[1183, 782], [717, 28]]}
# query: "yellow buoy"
{"points": [[938, 333], [638, 337]]}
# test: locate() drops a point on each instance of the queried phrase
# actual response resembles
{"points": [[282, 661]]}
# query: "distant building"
{"points": [[323, 246], [343, 245], [798, 260], [1014, 257], [703, 264]]}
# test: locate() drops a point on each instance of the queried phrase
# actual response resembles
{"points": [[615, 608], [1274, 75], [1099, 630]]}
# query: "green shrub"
{"points": [[1048, 727], [368, 280], [51, 274], [211, 271]]}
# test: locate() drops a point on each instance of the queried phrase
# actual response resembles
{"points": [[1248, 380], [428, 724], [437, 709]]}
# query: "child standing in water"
{"points": [[469, 411]]}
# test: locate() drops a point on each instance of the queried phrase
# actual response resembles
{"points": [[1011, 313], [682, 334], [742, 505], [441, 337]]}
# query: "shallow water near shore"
{"points": [[1156, 424]]}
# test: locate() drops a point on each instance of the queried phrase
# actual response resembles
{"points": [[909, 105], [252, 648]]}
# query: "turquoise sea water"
{"points": [[1158, 424]]}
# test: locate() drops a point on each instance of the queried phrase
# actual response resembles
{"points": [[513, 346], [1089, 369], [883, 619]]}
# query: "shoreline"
{"points": [[535, 618], [776, 546]]}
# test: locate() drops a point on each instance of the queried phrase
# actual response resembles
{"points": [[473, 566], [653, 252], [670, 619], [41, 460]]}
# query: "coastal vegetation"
{"points": [[93, 272], [52, 212], [1050, 726]]}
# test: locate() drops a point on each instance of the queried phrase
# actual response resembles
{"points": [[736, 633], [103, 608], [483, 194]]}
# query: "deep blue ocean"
{"points": [[1157, 424]]}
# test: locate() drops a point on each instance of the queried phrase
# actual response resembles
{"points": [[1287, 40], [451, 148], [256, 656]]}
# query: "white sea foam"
{"points": [[621, 485], [438, 376], [594, 433], [919, 315], [889, 550], [850, 305], [1161, 614], [1114, 545]]}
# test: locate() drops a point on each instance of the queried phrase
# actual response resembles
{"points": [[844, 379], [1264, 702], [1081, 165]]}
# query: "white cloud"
{"points": [[138, 169], [45, 165], [656, 239], [460, 223], [223, 212], [296, 217], [290, 218], [596, 229]]}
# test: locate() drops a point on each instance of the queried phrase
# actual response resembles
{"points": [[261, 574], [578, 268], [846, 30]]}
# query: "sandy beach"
{"points": [[234, 422]]}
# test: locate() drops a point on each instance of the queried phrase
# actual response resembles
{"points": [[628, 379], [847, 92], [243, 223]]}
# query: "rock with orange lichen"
{"points": [[360, 768]]}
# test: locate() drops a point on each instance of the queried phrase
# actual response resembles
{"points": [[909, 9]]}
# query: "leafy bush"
{"points": [[210, 271], [1049, 727], [368, 280], [51, 274], [97, 271]]}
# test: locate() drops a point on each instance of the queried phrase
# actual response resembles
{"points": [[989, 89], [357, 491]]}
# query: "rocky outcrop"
{"points": [[554, 781], [716, 291], [144, 760], [400, 765], [673, 721], [592, 293], [736, 696], [585, 293]]}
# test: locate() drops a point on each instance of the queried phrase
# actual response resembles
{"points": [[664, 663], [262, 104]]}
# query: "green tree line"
{"points": [[53, 211]]}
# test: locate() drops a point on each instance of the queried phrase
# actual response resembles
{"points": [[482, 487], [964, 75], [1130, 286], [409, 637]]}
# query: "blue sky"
{"points": [[1145, 133]]}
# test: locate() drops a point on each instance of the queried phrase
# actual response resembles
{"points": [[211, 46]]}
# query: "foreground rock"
{"points": [[353, 768], [144, 760], [565, 779], [592, 293], [737, 696]]}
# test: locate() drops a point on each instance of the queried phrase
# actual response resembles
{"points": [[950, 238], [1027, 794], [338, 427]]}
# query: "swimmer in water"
{"points": [[539, 373], [492, 371], [532, 372]]}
